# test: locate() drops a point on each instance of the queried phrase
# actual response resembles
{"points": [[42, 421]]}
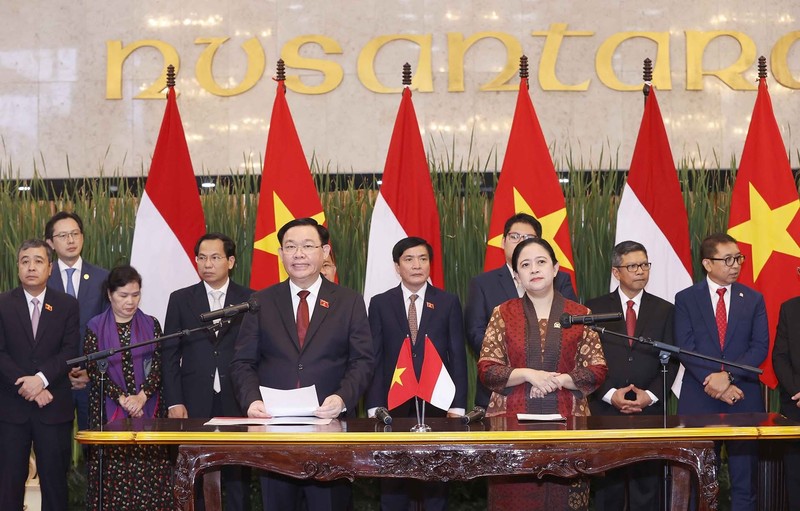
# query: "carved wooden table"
{"points": [[452, 451]]}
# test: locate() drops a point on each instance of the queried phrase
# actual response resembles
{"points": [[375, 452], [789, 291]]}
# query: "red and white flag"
{"points": [[435, 384], [652, 210], [404, 382], [405, 205], [169, 220]]}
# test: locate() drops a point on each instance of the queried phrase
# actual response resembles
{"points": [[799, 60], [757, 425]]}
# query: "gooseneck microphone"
{"points": [[589, 319], [230, 311], [475, 415], [382, 414]]}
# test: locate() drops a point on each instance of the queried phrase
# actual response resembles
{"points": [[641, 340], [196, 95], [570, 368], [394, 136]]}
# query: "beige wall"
{"points": [[58, 76]]}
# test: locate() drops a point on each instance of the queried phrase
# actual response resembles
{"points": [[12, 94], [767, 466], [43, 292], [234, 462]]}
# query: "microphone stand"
{"points": [[663, 356], [101, 357]]}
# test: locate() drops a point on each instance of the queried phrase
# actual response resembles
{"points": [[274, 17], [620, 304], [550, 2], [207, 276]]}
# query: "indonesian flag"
{"points": [[169, 220], [435, 384], [287, 192], [764, 216], [404, 381], [405, 205], [652, 210], [529, 184]]}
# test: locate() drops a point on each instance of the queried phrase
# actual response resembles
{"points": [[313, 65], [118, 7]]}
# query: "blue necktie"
{"points": [[70, 285]]}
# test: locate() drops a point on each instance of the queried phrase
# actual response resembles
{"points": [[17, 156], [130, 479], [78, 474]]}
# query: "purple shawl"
{"points": [[104, 325]]}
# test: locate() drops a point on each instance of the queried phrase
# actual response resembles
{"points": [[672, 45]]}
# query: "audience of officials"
{"points": [[311, 331]]}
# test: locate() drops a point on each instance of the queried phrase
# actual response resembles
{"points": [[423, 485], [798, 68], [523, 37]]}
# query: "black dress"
{"points": [[135, 477]]}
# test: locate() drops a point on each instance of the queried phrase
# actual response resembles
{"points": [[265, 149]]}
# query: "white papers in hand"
{"points": [[543, 417], [290, 403]]}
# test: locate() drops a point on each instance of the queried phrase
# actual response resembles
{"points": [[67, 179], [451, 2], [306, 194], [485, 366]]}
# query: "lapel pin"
{"points": [[324, 303], [85, 276], [48, 307], [741, 295], [429, 305]]}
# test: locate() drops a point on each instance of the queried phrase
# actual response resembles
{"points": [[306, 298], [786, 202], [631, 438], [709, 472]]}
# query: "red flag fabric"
{"points": [[287, 192], [404, 381], [764, 216], [652, 211], [529, 184], [435, 384], [169, 220], [405, 205]]}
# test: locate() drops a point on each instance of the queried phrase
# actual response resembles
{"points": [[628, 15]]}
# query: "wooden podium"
{"points": [[452, 451]]}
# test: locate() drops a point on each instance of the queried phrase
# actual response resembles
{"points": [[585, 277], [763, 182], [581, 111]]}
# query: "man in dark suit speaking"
{"points": [[415, 309], [491, 288], [634, 384], [195, 370], [308, 331], [38, 334], [724, 319]]}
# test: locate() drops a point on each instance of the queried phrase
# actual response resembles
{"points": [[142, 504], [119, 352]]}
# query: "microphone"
{"points": [[590, 319], [230, 311], [382, 414], [475, 415]]}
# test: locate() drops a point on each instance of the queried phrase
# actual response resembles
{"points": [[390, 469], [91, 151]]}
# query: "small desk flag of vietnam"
{"points": [[435, 384], [404, 382]]}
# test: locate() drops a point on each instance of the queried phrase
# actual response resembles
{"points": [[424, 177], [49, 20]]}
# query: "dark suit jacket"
{"points": [[189, 363], [337, 355], [638, 364], [91, 298], [441, 321], [786, 356], [56, 342], [746, 342], [490, 289]]}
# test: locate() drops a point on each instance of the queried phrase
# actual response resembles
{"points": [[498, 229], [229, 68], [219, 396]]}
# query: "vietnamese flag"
{"points": [[435, 384], [405, 205], [529, 184], [287, 192], [169, 219], [764, 216], [404, 381]]}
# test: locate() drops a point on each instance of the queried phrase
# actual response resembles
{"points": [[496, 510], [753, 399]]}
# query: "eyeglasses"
{"points": [[729, 260], [632, 268], [65, 235], [291, 249], [517, 237], [216, 258]]}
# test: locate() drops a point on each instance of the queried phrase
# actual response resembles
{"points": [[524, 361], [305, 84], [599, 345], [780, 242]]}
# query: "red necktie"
{"points": [[302, 316], [630, 321], [722, 317]]}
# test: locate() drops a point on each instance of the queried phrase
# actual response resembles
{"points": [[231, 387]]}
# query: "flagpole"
{"points": [[647, 76]]}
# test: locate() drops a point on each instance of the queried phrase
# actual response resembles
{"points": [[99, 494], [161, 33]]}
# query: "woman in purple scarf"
{"points": [[134, 477]]}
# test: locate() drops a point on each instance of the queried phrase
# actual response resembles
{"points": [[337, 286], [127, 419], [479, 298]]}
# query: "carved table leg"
{"points": [[212, 490]]}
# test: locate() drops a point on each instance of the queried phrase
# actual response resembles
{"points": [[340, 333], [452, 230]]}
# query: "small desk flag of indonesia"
{"points": [[435, 384]]}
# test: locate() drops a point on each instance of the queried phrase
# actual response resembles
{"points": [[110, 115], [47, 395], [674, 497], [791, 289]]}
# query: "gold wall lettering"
{"points": [[422, 80], [332, 72], [554, 36], [256, 62], [116, 56], [457, 47], [605, 54], [779, 61], [732, 76]]}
